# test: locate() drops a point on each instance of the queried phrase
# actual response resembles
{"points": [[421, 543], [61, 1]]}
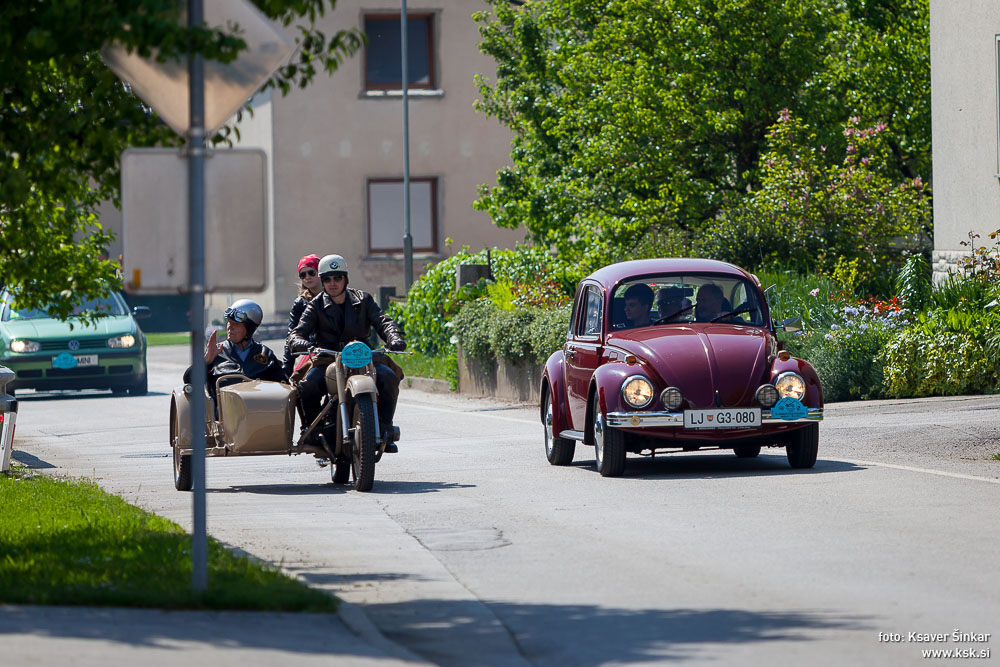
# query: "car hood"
{"points": [[702, 359], [54, 329]]}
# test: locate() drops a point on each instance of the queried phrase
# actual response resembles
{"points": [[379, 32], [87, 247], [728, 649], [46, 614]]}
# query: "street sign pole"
{"points": [[404, 28], [196, 232]]}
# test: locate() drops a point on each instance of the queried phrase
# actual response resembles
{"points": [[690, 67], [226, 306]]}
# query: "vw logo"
{"points": [[74, 345]]}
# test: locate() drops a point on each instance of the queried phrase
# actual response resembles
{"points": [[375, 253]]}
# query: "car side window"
{"points": [[593, 313]]}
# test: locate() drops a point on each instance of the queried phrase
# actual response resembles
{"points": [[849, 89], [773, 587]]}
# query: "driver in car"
{"points": [[240, 353], [710, 303]]}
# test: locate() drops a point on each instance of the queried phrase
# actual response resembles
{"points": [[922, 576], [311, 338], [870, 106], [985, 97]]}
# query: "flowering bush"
{"points": [[846, 357], [812, 212]]}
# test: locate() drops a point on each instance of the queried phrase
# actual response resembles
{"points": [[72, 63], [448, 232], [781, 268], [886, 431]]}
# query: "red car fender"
{"points": [[814, 390], [608, 381], [554, 377]]}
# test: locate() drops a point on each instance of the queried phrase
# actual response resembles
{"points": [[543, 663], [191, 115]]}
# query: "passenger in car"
{"points": [[709, 304], [672, 305], [638, 303]]}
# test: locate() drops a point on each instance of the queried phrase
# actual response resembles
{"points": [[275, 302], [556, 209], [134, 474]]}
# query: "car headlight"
{"points": [[22, 346], [791, 384], [128, 340], [671, 397], [637, 391]]}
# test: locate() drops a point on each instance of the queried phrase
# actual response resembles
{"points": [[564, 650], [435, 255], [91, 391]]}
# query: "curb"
{"points": [[357, 621]]}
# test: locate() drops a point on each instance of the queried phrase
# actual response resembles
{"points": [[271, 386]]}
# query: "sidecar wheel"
{"points": [[363, 451], [182, 464]]}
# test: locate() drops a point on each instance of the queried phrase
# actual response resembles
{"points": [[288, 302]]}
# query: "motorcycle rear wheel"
{"points": [[363, 449]]}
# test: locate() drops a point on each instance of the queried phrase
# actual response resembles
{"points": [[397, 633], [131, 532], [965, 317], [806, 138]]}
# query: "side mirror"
{"points": [[792, 324], [141, 313]]}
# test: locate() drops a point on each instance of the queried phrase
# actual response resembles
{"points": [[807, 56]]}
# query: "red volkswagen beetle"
{"points": [[676, 355]]}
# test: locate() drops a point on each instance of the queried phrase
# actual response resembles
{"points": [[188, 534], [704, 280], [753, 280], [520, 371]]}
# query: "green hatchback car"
{"points": [[47, 354]]}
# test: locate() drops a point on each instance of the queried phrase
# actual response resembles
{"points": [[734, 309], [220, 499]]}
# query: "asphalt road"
{"points": [[472, 550]]}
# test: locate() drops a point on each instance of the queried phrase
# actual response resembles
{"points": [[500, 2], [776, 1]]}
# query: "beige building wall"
{"points": [[333, 136], [964, 110]]}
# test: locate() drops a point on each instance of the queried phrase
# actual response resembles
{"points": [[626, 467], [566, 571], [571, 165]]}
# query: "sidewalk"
{"points": [[112, 637]]}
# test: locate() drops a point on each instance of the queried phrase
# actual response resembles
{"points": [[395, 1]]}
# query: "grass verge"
{"points": [[179, 338], [70, 543], [422, 366]]}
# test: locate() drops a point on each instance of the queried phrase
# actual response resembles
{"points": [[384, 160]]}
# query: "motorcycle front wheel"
{"points": [[363, 449]]}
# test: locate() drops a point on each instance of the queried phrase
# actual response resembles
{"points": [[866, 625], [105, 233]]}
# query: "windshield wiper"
{"points": [[739, 311], [664, 320]]}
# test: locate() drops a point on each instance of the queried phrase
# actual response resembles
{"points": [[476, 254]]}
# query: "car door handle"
{"points": [[571, 353]]}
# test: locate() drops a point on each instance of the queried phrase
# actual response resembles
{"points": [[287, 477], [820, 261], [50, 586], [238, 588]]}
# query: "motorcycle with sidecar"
{"points": [[248, 417]]}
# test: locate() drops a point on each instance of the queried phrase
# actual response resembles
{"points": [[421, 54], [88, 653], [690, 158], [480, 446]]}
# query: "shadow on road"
{"points": [[75, 395], [586, 635], [719, 466], [381, 487], [30, 460]]}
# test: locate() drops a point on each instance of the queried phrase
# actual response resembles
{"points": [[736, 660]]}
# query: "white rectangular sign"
{"points": [[155, 244]]}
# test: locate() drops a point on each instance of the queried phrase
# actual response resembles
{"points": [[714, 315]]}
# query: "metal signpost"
{"points": [[404, 28], [164, 88]]}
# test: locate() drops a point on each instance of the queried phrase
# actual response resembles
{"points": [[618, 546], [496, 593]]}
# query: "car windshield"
{"points": [[677, 299], [108, 305]]}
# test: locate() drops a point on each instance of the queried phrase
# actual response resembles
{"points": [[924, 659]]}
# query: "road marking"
{"points": [[422, 406], [942, 473]]}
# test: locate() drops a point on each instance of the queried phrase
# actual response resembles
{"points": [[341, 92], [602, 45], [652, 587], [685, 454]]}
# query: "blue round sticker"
{"points": [[64, 360], [356, 355], [789, 409]]}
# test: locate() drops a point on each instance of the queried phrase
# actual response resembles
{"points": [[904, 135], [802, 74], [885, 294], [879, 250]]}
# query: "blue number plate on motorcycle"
{"points": [[356, 355]]}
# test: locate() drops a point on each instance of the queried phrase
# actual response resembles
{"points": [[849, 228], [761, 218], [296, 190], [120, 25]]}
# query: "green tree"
{"points": [[65, 119], [637, 117]]}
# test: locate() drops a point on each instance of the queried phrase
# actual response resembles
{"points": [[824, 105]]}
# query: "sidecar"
{"points": [[247, 418]]}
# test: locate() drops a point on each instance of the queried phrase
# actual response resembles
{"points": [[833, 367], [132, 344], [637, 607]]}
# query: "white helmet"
{"points": [[332, 264], [247, 313]]}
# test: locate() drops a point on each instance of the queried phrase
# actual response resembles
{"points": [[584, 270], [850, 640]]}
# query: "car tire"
{"points": [[609, 445], [559, 451], [182, 464], [746, 451], [141, 386], [803, 445]]}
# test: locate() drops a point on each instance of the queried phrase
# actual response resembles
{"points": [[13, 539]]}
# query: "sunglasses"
{"points": [[334, 278], [236, 315], [307, 274]]}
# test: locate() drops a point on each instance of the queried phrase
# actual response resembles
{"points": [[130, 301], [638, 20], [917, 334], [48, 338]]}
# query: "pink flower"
{"points": [[814, 292]]}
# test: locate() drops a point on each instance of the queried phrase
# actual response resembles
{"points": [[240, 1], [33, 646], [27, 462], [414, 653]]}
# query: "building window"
{"points": [[383, 66], [385, 215]]}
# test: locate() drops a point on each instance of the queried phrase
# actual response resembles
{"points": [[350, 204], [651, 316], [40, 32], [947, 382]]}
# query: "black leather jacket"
{"points": [[326, 324], [294, 315]]}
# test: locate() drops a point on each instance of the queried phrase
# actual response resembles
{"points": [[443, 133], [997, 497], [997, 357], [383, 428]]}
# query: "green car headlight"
{"points": [[128, 340], [21, 346], [637, 391], [791, 384]]}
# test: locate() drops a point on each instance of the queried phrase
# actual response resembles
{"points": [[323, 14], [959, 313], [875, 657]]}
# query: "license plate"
{"points": [[65, 360], [722, 418]]}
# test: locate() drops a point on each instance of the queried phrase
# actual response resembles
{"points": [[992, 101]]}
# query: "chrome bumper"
{"points": [[659, 419]]}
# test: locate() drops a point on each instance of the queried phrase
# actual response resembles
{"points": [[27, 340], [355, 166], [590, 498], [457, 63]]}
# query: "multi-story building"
{"points": [[965, 112]]}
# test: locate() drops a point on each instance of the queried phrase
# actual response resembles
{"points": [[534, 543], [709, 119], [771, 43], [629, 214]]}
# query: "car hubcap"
{"points": [[599, 439]]}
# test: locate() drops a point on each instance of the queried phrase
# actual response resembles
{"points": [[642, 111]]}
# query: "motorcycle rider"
{"points": [[310, 286], [239, 353], [337, 316]]}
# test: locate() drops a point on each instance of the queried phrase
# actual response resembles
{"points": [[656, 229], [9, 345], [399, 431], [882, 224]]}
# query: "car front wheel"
{"points": [[803, 446], [609, 445], [559, 451]]}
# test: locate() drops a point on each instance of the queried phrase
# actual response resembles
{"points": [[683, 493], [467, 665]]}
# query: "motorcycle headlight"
{"points": [[22, 346], [791, 384], [128, 340], [637, 391]]}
